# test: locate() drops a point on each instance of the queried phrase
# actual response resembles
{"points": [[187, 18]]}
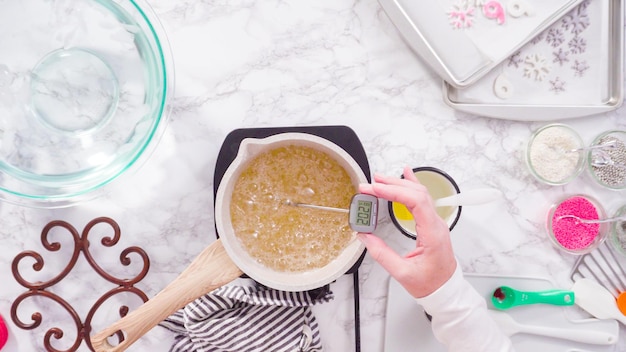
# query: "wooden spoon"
{"points": [[211, 269]]}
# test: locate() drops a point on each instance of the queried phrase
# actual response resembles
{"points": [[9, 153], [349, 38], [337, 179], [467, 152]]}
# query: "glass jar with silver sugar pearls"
{"points": [[554, 154], [607, 162]]}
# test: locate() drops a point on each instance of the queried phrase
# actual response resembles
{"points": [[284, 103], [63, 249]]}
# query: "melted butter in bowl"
{"points": [[439, 185], [285, 238]]}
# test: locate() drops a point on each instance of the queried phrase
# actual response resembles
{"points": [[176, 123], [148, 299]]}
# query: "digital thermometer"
{"points": [[362, 214]]}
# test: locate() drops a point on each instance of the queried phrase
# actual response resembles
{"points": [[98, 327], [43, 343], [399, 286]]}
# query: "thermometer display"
{"points": [[363, 214]]}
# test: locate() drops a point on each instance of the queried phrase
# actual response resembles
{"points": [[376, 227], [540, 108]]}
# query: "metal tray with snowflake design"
{"points": [[462, 40], [572, 69]]}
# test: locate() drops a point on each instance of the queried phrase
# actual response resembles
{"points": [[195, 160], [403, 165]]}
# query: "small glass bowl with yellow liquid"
{"points": [[439, 185]]}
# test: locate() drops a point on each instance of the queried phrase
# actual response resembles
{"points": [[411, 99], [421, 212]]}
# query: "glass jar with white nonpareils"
{"points": [[607, 162], [555, 154]]}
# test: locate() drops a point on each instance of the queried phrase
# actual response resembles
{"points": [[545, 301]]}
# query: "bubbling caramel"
{"points": [[284, 237]]}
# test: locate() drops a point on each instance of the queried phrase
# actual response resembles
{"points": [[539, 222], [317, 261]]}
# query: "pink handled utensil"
{"points": [[4, 333]]}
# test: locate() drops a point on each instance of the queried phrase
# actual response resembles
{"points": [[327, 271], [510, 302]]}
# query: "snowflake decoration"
{"points": [[515, 59], [576, 21], [583, 5], [476, 3], [461, 15], [557, 86], [580, 67], [560, 56], [537, 39], [577, 45], [536, 67], [555, 37]]}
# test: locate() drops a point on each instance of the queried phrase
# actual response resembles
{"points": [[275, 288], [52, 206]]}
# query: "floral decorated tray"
{"points": [[462, 40], [574, 68]]}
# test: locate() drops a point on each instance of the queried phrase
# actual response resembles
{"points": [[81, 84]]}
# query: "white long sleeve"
{"points": [[460, 319]]}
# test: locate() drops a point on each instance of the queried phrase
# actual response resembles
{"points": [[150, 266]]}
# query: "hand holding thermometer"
{"points": [[362, 214]]}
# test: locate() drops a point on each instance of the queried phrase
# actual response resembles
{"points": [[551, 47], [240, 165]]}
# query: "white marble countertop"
{"points": [[282, 63]]}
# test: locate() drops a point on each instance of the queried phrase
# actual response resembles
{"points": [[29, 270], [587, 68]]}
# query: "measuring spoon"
{"points": [[471, 197], [591, 221], [602, 160], [505, 297], [606, 145]]}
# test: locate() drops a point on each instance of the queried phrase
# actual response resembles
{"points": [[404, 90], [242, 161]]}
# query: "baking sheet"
{"points": [[408, 329], [574, 68], [461, 41]]}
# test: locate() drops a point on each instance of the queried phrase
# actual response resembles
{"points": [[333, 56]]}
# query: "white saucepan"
{"points": [[225, 259]]}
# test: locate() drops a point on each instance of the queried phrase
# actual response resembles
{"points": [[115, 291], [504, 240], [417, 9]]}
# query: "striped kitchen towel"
{"points": [[247, 318]]}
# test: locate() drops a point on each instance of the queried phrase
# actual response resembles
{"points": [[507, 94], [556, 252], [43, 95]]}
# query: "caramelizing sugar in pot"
{"points": [[614, 173], [288, 238]]}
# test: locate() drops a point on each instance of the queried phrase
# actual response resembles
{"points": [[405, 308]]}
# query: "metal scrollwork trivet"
{"points": [[81, 244]]}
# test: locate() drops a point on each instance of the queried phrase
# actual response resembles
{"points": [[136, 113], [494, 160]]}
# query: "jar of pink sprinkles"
{"points": [[567, 228]]}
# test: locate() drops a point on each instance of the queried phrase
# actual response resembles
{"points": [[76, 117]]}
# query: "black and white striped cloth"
{"points": [[247, 318]]}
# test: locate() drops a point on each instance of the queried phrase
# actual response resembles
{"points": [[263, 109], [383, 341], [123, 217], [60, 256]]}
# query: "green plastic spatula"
{"points": [[505, 297]]}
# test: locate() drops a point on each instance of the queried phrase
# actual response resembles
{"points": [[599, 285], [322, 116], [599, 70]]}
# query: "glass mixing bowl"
{"points": [[84, 87]]}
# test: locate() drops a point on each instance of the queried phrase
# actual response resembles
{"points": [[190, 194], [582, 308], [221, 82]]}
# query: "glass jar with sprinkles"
{"points": [[568, 232], [618, 232], [607, 162], [554, 155]]}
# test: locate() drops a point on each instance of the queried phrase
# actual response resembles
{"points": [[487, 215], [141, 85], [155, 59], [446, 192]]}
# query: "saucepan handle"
{"points": [[211, 269]]}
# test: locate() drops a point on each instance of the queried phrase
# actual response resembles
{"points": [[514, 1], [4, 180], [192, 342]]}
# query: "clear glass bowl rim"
{"points": [[48, 196]]}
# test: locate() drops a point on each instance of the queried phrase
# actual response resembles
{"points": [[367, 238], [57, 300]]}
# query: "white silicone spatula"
{"points": [[511, 327], [596, 300], [471, 197]]}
